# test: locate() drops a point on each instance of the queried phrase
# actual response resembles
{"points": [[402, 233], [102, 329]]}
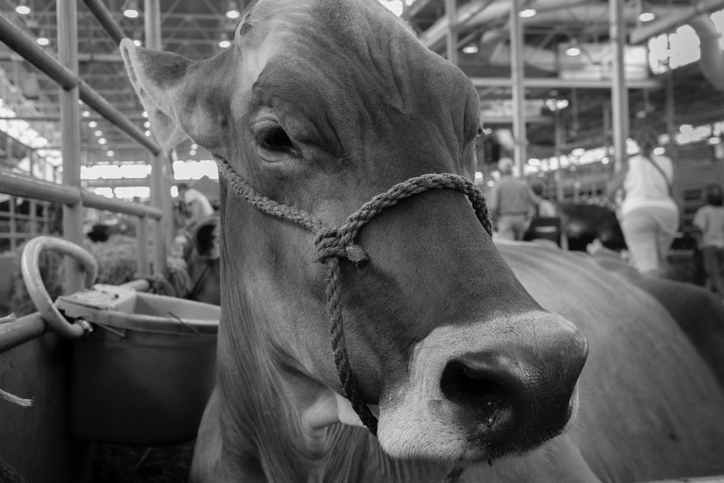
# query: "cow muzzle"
{"points": [[477, 396]]}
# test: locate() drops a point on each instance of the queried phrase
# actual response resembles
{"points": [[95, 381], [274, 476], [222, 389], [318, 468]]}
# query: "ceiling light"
{"points": [[85, 113], [92, 124], [647, 16], [130, 9], [224, 42], [192, 152], [23, 8], [147, 133], [42, 39], [98, 133], [137, 43], [713, 140], [109, 153], [194, 146], [146, 124], [527, 13], [102, 141], [232, 12], [573, 50], [144, 114], [470, 49]]}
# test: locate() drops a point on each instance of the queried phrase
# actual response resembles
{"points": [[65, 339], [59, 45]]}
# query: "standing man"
{"points": [[196, 206], [511, 203]]}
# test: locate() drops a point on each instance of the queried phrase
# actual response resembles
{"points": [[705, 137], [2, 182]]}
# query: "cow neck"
{"points": [[334, 243]]}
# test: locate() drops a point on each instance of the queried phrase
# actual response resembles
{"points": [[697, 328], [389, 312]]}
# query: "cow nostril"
{"points": [[474, 388]]}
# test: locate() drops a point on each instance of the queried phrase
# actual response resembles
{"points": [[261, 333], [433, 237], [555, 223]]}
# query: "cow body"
{"points": [[651, 407], [320, 107]]}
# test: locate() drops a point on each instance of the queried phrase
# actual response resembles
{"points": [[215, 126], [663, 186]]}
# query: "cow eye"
{"points": [[275, 139]]}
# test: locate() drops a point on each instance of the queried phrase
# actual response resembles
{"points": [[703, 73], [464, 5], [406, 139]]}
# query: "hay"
{"points": [[142, 464]]}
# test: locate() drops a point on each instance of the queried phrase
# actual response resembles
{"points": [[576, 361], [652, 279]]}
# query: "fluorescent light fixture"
{"points": [[224, 43], [130, 9], [232, 12], [527, 13], [573, 51], [470, 49], [23, 8], [534, 162]]}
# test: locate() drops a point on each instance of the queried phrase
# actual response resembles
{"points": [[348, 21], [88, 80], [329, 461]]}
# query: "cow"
{"points": [[582, 223], [345, 150]]}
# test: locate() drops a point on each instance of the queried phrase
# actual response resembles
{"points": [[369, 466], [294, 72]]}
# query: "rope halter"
{"points": [[334, 243]]}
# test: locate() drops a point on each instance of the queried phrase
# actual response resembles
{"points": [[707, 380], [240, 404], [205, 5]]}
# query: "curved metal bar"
{"points": [[36, 288]]}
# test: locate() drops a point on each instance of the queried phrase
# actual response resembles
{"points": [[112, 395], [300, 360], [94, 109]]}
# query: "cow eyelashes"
{"points": [[275, 138]]}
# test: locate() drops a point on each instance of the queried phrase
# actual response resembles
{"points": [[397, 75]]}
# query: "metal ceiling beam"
{"points": [[558, 83], [416, 8], [669, 23]]}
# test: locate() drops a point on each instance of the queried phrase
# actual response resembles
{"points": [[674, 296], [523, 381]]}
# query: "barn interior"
{"points": [[564, 85]]}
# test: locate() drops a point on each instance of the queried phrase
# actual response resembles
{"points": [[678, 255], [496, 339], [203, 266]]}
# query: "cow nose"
{"points": [[513, 395]]}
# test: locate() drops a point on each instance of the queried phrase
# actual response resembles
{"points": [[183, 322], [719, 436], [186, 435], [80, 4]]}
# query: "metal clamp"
{"points": [[36, 288]]}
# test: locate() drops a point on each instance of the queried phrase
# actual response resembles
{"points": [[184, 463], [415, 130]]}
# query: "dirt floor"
{"points": [[142, 464]]}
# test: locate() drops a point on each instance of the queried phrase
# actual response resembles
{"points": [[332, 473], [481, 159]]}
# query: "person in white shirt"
{"points": [[649, 214], [197, 206]]}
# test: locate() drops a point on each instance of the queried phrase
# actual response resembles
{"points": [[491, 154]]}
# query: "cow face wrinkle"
{"points": [[335, 243]]}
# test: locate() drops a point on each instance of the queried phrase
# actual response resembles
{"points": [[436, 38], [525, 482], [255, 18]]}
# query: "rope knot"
{"points": [[331, 244]]}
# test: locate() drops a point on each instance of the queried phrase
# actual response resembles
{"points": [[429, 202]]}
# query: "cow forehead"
{"points": [[352, 52]]}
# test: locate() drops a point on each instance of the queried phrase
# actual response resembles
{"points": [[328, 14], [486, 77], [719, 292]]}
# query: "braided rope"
{"points": [[333, 243]]}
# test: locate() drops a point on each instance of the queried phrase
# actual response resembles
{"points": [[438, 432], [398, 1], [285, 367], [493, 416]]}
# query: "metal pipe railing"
{"points": [[29, 327], [105, 18], [14, 38], [92, 200], [25, 186], [99, 104]]}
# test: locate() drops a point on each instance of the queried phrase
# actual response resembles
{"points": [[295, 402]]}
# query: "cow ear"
{"points": [[158, 78]]}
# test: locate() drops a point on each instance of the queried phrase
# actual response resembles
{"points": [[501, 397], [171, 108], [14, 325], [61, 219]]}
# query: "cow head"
{"points": [[322, 105]]}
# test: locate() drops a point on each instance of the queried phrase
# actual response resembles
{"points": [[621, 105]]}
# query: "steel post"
{"points": [[451, 35], [619, 91], [671, 115], [518, 89], [13, 226], [142, 238], [70, 137], [558, 145], [160, 191]]}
